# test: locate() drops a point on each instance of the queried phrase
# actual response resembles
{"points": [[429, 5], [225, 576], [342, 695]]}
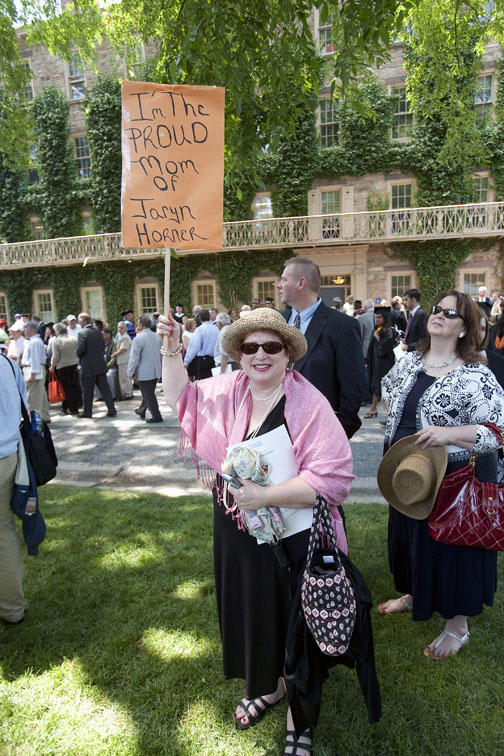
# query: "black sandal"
{"points": [[295, 743], [253, 719]]}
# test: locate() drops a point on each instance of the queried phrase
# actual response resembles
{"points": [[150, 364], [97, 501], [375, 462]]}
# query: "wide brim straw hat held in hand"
{"points": [[409, 477]]}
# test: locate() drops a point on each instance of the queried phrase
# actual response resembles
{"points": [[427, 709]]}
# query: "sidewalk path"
{"points": [[124, 452]]}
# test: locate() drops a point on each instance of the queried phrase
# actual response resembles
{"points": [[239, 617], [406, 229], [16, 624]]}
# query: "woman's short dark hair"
{"points": [[469, 346]]}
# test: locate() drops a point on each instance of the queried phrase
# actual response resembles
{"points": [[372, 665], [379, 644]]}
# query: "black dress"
{"points": [[254, 595], [446, 579], [380, 358]]}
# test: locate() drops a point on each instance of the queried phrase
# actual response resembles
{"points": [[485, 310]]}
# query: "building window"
{"points": [[76, 77], [36, 228], [472, 282], [264, 287], [148, 298], [33, 175], [82, 156], [330, 204], [326, 45], [328, 123], [4, 313], [43, 304], [92, 301], [402, 118], [261, 207], [399, 284], [204, 293], [400, 196], [480, 189], [135, 58], [483, 96], [87, 222], [27, 94]]}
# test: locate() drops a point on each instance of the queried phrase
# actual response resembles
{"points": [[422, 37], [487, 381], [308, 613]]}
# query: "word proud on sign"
{"points": [[173, 165]]}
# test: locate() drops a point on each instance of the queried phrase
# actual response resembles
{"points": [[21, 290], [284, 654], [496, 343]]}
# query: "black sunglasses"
{"points": [[270, 347], [450, 314]]}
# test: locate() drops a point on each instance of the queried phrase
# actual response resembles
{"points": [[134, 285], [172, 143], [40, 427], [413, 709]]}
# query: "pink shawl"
{"points": [[207, 413]]}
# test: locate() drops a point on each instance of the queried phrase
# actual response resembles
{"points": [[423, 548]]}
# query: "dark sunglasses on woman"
{"points": [[450, 314], [270, 347]]}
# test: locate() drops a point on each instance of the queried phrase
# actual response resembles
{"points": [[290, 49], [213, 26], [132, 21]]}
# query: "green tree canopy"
{"points": [[14, 76]]}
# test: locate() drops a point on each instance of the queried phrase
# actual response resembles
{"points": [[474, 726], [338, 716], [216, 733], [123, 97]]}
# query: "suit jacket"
{"points": [[486, 306], [366, 324], [398, 319], [334, 363], [145, 356], [417, 329], [90, 350]]}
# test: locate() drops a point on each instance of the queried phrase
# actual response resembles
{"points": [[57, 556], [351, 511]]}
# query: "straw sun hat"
{"points": [[409, 477], [263, 319]]}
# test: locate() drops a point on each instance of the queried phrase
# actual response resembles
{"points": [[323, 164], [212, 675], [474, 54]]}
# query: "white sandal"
{"points": [[463, 640], [407, 607]]}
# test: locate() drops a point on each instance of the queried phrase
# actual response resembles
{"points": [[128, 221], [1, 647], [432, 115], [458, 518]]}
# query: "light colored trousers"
{"points": [[12, 601], [125, 382], [37, 396]]}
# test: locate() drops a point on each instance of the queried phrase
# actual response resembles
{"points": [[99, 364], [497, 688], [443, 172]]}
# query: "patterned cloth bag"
{"points": [[327, 595]]}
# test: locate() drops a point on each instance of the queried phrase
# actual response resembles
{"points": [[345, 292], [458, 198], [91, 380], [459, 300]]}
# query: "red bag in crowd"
{"points": [[55, 390], [468, 512]]}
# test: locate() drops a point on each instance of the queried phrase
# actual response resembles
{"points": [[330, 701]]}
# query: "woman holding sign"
{"points": [[254, 587]]}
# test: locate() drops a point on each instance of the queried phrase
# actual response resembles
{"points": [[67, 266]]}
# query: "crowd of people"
{"points": [[238, 380], [90, 361]]}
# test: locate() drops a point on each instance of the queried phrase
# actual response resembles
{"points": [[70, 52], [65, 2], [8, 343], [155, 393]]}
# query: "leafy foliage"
{"points": [[293, 165], [57, 184], [12, 191], [14, 75], [103, 121]]}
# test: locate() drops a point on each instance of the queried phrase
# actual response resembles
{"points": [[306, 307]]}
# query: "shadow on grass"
{"points": [[124, 585]]}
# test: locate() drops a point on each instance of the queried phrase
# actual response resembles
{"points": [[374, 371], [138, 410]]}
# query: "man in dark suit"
{"points": [[90, 350], [333, 362], [416, 327]]}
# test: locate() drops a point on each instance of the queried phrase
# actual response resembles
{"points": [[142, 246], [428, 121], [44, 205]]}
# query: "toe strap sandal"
{"points": [[298, 747], [254, 711]]}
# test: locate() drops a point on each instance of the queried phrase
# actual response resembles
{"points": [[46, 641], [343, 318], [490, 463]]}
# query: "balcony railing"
{"points": [[408, 224]]}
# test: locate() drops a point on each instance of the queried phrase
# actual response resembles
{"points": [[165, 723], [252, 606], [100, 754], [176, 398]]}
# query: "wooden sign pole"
{"points": [[166, 299]]}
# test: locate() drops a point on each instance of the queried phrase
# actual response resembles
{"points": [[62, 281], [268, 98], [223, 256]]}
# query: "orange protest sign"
{"points": [[172, 165]]}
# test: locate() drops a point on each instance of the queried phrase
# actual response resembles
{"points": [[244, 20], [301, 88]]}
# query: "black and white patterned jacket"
{"points": [[467, 395]]}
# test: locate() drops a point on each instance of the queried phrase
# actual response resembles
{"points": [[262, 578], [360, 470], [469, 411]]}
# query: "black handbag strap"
{"points": [[321, 517]]}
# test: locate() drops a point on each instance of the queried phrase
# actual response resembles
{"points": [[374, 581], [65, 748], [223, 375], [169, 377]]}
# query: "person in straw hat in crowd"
{"points": [[253, 588], [439, 396]]}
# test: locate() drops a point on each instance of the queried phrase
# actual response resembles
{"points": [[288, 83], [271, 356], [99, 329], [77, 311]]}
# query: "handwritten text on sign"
{"points": [[173, 165]]}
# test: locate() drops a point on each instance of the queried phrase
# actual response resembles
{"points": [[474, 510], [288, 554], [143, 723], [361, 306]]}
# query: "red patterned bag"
{"points": [[468, 512]]}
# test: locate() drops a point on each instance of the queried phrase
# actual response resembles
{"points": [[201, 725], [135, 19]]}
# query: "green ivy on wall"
{"points": [[103, 122], [57, 185]]}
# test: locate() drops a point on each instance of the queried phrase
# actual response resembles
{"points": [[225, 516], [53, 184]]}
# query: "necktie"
{"points": [[407, 328], [297, 321]]}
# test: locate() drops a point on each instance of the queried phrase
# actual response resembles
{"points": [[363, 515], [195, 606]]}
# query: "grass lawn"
{"points": [[120, 652]]}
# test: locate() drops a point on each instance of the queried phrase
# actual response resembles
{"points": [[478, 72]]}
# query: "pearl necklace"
{"points": [[428, 366], [267, 398]]}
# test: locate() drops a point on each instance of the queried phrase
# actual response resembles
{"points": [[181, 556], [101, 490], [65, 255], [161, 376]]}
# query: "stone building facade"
{"points": [[366, 270]]}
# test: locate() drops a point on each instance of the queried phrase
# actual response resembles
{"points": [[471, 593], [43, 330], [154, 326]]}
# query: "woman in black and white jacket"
{"points": [[443, 393]]}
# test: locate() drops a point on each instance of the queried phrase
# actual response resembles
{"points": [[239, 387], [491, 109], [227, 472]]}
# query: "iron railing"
{"points": [[444, 222]]}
